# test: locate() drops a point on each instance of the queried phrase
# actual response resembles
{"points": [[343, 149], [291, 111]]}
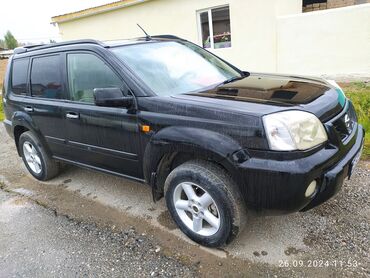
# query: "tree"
{"points": [[2, 43], [10, 41]]}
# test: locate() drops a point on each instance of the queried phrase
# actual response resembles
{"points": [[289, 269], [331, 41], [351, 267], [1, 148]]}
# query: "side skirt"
{"points": [[86, 166]]}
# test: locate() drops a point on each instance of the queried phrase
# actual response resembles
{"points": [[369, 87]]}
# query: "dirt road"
{"points": [[34, 242], [328, 241]]}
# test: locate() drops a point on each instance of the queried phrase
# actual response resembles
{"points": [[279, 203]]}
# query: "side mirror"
{"points": [[111, 97]]}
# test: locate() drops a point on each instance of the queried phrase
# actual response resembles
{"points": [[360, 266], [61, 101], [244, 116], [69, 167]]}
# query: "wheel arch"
{"points": [[173, 146], [18, 130], [22, 122]]}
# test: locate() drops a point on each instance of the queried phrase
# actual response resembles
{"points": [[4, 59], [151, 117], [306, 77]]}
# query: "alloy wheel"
{"points": [[196, 208], [32, 157]]}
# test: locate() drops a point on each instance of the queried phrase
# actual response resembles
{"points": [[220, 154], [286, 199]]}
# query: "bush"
{"points": [[359, 94], [1, 109]]}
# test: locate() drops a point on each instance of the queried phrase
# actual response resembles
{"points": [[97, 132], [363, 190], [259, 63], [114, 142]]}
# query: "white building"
{"points": [[256, 35], [5, 53]]}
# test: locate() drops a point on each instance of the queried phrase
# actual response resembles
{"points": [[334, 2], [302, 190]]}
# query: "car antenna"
{"points": [[147, 36]]}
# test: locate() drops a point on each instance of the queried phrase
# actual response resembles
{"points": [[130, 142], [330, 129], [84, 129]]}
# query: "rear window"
{"points": [[19, 76], [46, 77]]}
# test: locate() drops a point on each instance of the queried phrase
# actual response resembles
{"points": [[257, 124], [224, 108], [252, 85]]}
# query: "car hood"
{"points": [[268, 93]]}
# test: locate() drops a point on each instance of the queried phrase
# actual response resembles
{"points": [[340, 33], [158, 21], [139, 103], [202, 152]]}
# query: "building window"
{"points": [[214, 27]]}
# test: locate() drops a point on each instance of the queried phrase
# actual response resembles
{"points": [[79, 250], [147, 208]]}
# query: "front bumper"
{"points": [[273, 187]]}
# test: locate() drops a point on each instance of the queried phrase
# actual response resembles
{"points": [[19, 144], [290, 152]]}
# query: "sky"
{"points": [[29, 20]]}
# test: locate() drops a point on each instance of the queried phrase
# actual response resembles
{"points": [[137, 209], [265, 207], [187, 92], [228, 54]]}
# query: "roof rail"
{"points": [[171, 37], [28, 48], [33, 45]]}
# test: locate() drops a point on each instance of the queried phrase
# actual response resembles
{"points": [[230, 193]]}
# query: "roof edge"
{"points": [[95, 10]]}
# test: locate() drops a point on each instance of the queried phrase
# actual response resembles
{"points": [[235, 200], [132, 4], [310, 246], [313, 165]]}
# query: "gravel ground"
{"points": [[331, 240], [336, 235], [342, 234], [34, 242]]}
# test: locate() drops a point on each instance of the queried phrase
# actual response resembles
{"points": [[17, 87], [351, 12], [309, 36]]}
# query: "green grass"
{"points": [[1, 109], [359, 94]]}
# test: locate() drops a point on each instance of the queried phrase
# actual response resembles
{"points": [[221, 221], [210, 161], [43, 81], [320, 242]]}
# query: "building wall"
{"points": [[253, 26], [268, 35], [332, 42], [316, 7], [345, 3], [331, 4]]}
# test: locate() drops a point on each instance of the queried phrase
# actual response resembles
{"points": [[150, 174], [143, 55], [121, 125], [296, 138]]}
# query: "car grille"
{"points": [[346, 124]]}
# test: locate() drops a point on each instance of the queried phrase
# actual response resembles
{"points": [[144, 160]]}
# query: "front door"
{"points": [[106, 138]]}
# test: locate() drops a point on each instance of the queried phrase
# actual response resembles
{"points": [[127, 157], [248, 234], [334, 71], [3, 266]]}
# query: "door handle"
{"points": [[71, 115], [28, 109]]}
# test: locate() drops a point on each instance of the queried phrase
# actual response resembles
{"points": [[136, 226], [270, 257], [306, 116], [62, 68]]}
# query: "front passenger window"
{"points": [[87, 72]]}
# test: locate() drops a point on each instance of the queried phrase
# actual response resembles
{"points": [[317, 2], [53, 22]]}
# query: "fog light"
{"points": [[311, 189]]}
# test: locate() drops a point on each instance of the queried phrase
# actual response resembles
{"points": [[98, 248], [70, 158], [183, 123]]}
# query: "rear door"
{"points": [[46, 93], [103, 137]]}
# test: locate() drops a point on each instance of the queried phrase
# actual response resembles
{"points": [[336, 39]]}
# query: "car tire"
{"points": [[211, 220], [37, 161]]}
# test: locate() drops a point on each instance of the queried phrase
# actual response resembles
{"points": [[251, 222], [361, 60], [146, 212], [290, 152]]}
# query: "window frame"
{"points": [[62, 77], [210, 25], [69, 99]]}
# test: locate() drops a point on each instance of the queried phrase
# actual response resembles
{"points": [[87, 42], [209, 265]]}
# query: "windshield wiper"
{"points": [[232, 79]]}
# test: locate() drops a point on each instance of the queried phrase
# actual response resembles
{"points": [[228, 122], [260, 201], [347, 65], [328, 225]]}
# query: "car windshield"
{"points": [[171, 68]]}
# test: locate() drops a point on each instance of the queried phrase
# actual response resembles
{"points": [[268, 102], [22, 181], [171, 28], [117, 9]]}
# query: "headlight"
{"points": [[293, 130]]}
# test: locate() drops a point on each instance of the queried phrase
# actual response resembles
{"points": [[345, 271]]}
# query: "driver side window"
{"points": [[87, 72]]}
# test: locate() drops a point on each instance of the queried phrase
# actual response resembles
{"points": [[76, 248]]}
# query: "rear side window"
{"points": [[19, 76], [46, 77]]}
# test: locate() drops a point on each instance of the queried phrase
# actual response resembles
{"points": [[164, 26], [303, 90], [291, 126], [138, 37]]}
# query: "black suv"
{"points": [[215, 141]]}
